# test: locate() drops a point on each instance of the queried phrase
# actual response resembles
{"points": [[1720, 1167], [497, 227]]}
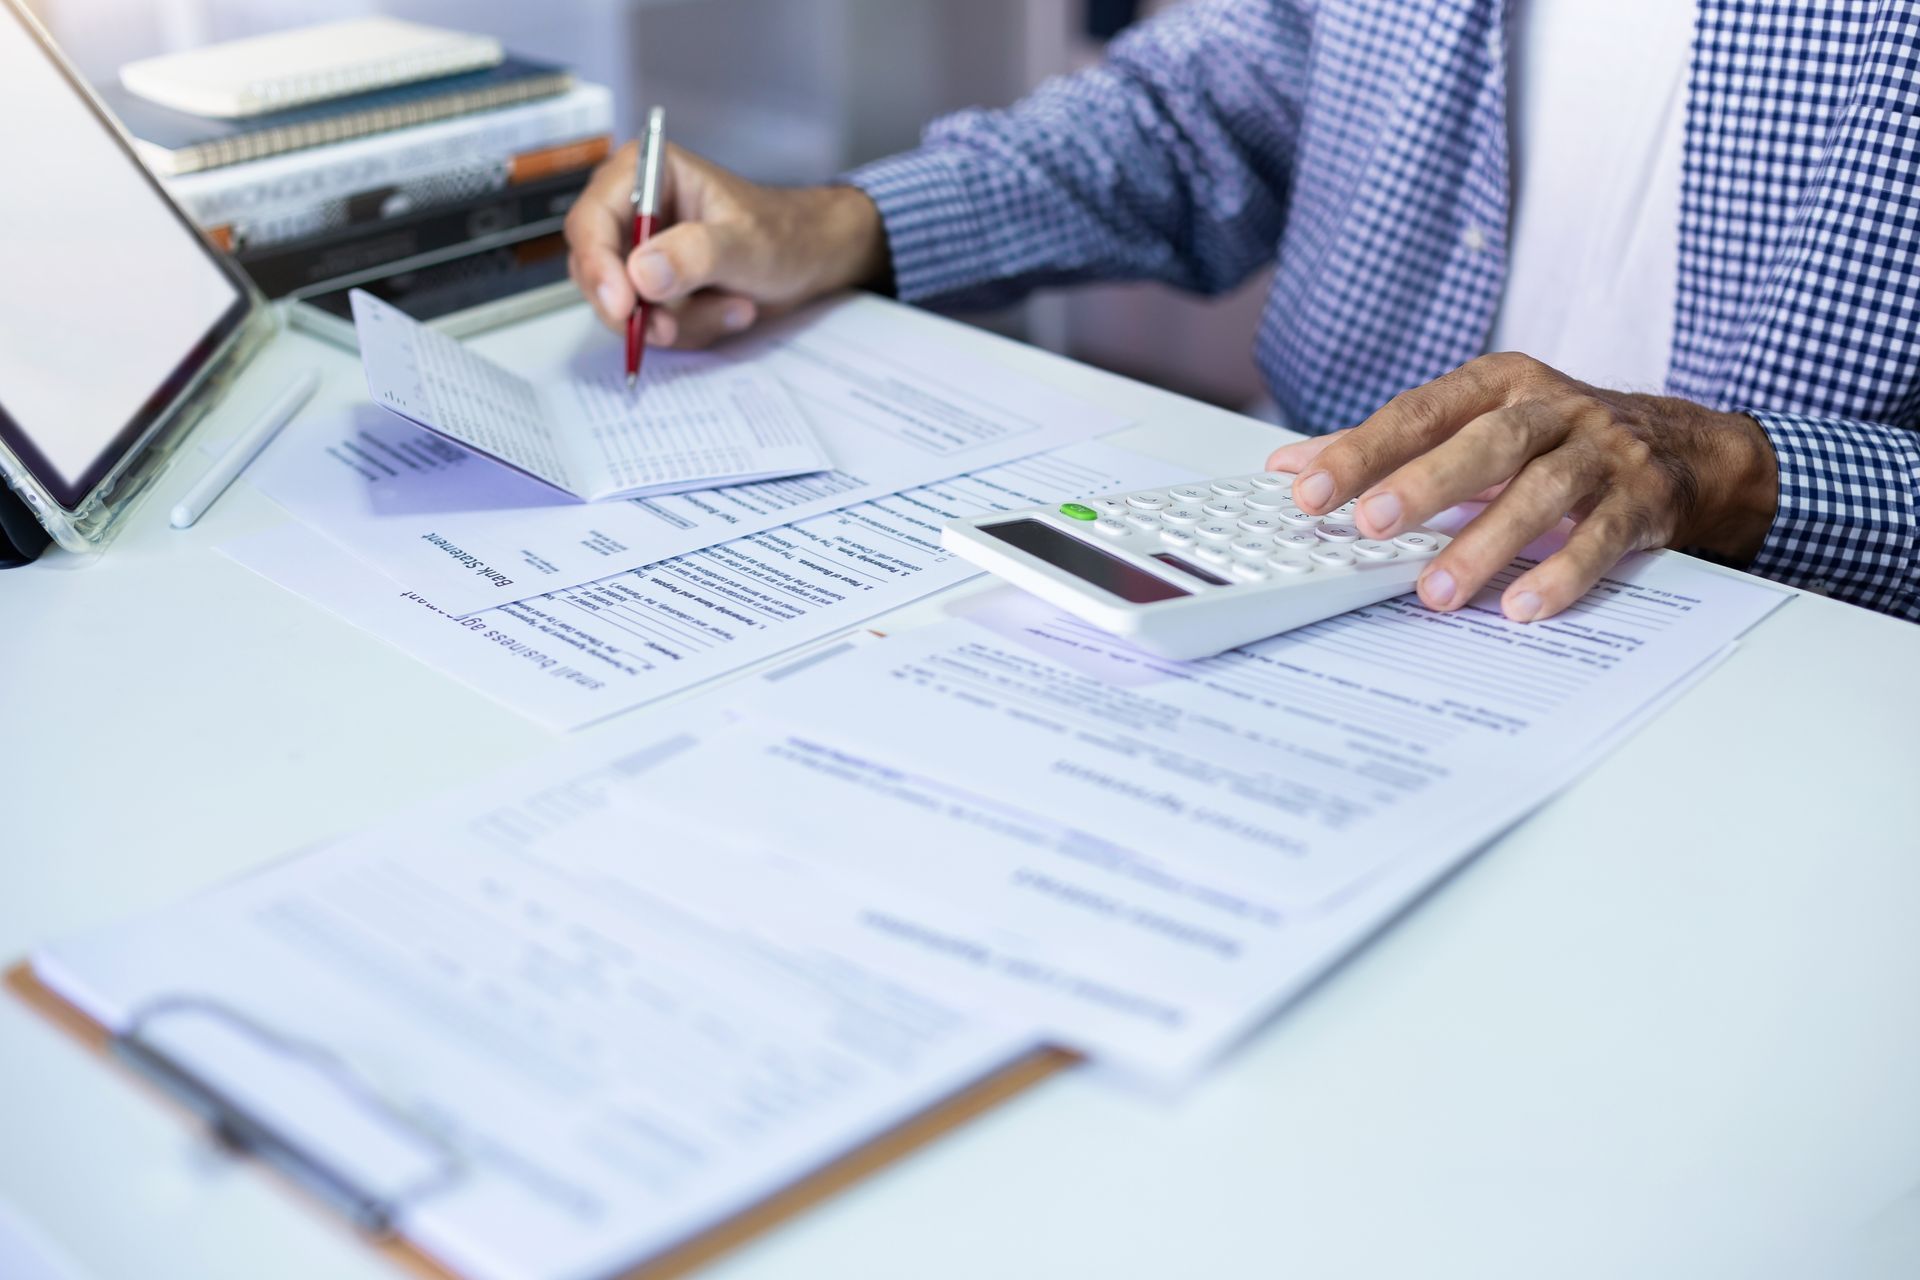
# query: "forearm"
{"points": [[1168, 161]]}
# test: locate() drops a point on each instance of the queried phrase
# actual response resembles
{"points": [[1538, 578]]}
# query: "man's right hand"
{"points": [[732, 251]]}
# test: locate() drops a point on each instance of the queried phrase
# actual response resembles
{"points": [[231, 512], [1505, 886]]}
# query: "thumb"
{"points": [[688, 257]]}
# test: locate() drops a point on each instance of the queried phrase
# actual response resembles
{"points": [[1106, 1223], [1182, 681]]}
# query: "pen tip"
{"points": [[631, 379]]}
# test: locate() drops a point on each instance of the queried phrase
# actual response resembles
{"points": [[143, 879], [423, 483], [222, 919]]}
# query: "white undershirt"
{"points": [[1596, 93]]}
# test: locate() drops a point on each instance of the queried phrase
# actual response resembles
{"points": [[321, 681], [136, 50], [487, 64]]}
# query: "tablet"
{"points": [[113, 308]]}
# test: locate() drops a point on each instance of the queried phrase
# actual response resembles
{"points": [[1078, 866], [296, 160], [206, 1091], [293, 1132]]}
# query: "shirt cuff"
{"points": [[1846, 524], [934, 229]]}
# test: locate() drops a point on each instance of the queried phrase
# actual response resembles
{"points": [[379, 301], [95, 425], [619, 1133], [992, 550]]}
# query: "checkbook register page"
{"points": [[694, 421]]}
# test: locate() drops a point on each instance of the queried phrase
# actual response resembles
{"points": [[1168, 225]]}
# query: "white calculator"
{"points": [[1194, 569]]}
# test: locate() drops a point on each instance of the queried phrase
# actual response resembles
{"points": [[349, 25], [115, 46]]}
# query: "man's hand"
{"points": [[1634, 471], [732, 251]]}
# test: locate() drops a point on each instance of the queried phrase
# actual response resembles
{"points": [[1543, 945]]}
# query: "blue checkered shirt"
{"points": [[1362, 148]]}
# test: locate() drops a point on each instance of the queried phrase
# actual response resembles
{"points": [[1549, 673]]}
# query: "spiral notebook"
{"points": [[290, 69], [173, 142]]}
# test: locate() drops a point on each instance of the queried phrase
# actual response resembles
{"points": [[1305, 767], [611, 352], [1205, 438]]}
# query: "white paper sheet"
{"points": [[575, 656], [1296, 766], [695, 421], [609, 1069], [468, 534], [1147, 858]]}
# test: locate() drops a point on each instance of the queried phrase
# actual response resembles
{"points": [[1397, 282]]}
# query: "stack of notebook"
{"points": [[356, 151]]}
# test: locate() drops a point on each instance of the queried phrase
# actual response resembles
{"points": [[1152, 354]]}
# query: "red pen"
{"points": [[646, 209]]}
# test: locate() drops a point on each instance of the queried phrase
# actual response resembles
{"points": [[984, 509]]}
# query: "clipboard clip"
{"points": [[238, 1127]]}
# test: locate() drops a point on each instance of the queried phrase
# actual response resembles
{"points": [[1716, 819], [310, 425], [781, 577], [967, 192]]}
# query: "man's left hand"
{"points": [[1633, 471]]}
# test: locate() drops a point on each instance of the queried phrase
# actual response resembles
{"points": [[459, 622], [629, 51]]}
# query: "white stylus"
{"points": [[245, 450]]}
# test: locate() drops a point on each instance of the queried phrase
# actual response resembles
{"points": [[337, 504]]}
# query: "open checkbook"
{"points": [[695, 421]]}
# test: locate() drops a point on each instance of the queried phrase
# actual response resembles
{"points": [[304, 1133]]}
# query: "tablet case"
{"points": [[22, 536], [698, 1250]]}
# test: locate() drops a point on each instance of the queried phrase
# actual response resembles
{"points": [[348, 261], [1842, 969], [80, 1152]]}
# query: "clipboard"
{"points": [[244, 1135]]}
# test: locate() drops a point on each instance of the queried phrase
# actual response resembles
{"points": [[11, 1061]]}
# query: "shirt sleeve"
{"points": [[1848, 523], [1170, 160]]}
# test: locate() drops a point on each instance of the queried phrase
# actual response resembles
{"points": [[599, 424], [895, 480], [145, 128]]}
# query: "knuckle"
{"points": [[1506, 365], [1512, 370], [1591, 415], [1350, 457], [1627, 527], [1631, 451], [1416, 414]]}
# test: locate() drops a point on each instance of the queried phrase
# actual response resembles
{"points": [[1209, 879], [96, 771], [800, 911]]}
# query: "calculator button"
{"points": [[1143, 520], [1288, 566], [1331, 555], [1108, 505], [1226, 508], [1338, 532], [1190, 492], [1262, 525], [1373, 549], [1259, 500], [1148, 502], [1074, 511], [1344, 512], [1253, 548], [1249, 571], [1294, 518], [1113, 528], [1213, 555], [1273, 481], [1231, 488], [1419, 544], [1183, 515], [1298, 540], [1177, 538], [1216, 531]]}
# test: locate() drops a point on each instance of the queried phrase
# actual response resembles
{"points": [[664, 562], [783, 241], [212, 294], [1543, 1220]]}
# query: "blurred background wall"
{"points": [[785, 91]]}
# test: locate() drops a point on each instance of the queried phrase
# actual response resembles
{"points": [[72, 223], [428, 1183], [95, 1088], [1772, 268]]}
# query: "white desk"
{"points": [[1668, 1026]]}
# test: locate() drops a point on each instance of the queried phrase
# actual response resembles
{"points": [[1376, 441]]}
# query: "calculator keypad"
{"points": [[1246, 529]]}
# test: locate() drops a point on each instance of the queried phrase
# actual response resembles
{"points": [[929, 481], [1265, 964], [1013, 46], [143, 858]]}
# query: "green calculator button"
{"points": [[1078, 512]]}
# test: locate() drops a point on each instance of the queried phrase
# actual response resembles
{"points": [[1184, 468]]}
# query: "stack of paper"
{"points": [[469, 534], [604, 1003], [575, 656], [565, 1019], [569, 613]]}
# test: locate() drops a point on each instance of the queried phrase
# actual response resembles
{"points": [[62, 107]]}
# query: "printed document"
{"points": [[1147, 857], [578, 655], [694, 422], [893, 410], [1299, 765], [506, 1015]]}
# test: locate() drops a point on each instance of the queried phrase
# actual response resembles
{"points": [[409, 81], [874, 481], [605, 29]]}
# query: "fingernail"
{"points": [[736, 316], [610, 299], [1313, 490], [1384, 510], [653, 273], [1437, 588], [1524, 607]]}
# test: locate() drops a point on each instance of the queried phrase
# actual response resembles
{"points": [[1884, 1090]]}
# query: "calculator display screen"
{"points": [[1084, 561]]}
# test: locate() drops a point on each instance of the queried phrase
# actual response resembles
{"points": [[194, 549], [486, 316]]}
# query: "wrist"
{"points": [[1739, 487], [849, 239]]}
